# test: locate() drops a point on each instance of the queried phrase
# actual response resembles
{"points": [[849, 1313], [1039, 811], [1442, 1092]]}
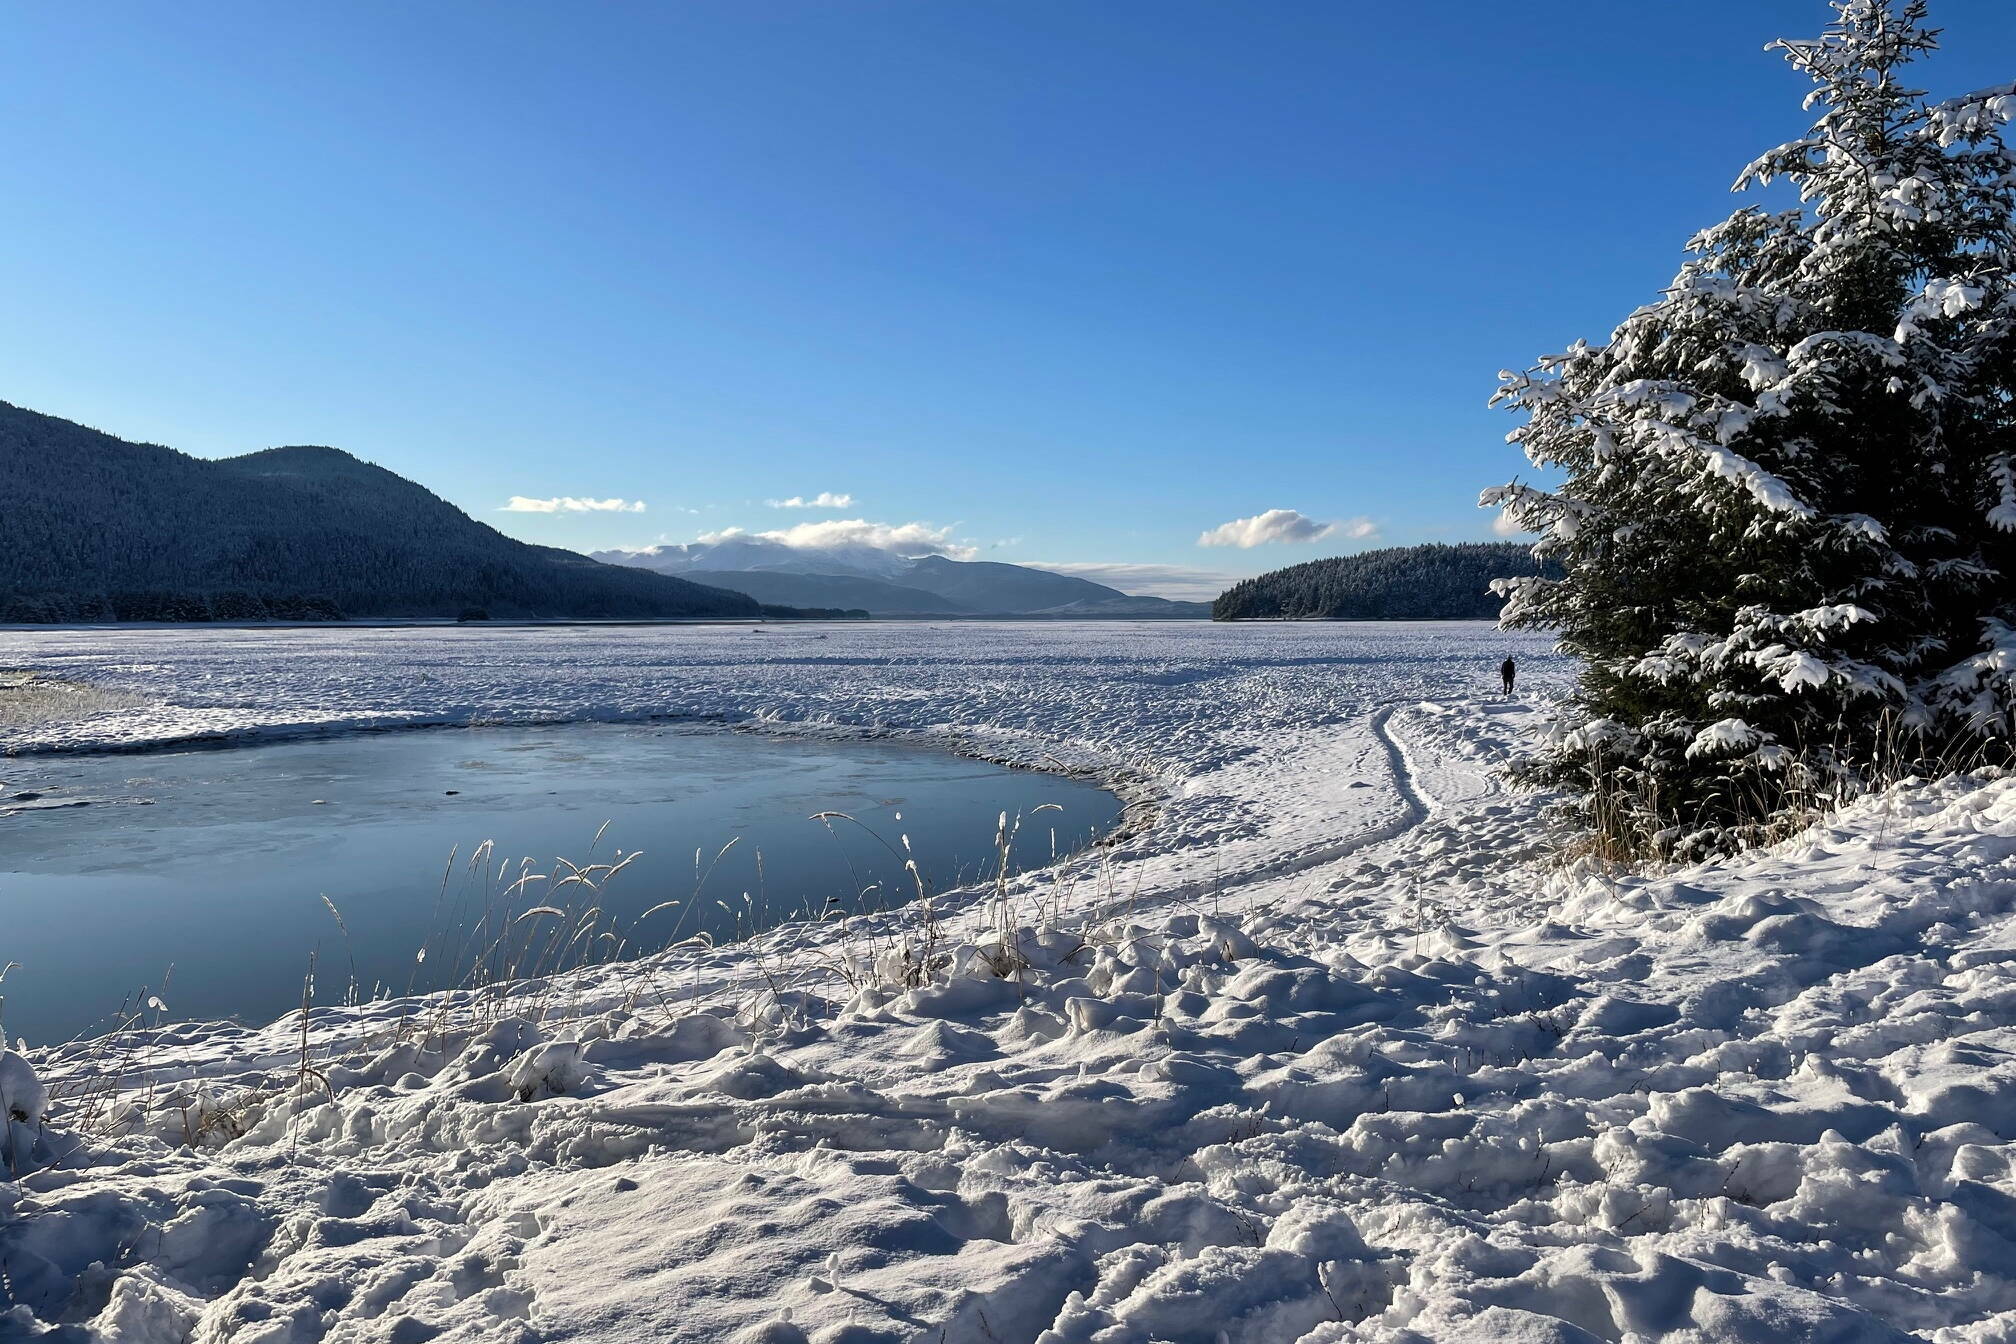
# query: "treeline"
{"points": [[84, 608], [198, 608], [1417, 583]]}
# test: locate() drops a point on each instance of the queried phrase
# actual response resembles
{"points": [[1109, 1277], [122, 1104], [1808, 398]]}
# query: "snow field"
{"points": [[1330, 1051]]}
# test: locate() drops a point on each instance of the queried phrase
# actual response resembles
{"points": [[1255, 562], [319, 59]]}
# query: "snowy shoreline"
{"points": [[156, 714], [1335, 1051]]}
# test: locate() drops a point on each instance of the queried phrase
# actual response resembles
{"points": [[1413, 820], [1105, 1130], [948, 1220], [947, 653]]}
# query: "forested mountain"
{"points": [[1434, 582], [786, 589], [985, 585], [1157, 608], [93, 527], [886, 583]]}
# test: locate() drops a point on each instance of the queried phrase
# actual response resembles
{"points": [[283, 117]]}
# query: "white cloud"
{"points": [[825, 499], [1171, 581], [1286, 526], [840, 533], [569, 504]]}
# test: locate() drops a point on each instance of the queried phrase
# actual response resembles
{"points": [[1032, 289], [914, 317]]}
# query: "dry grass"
{"points": [[508, 936], [1626, 822], [28, 698]]}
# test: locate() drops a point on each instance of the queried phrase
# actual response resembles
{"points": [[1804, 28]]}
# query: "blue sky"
{"points": [[1079, 282]]}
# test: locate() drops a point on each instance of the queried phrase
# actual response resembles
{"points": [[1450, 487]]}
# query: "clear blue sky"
{"points": [[1080, 278]]}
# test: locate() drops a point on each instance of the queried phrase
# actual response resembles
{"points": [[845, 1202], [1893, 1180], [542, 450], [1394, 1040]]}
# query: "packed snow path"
{"points": [[1334, 1049]]}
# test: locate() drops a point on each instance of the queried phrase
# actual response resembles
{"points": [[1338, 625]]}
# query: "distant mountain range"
{"points": [[887, 584], [95, 528], [1450, 583]]}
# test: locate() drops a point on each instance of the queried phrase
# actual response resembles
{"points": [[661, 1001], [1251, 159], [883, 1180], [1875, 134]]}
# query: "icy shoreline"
{"points": [[1334, 1051]]}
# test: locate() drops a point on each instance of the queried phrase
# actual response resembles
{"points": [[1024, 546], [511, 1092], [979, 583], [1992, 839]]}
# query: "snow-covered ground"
{"points": [[1331, 1047]]}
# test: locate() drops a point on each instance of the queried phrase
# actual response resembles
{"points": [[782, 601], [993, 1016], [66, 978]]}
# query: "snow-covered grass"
{"points": [[27, 697], [1627, 817], [1331, 1048]]}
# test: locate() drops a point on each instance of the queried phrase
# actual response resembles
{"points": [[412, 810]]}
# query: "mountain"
{"points": [[1158, 608], [741, 552], [93, 527], [784, 589], [1449, 583], [986, 585], [889, 584]]}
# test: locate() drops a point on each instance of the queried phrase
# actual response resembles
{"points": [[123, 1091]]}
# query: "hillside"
{"points": [[94, 528], [1155, 608], [1418, 583], [984, 585], [829, 590]]}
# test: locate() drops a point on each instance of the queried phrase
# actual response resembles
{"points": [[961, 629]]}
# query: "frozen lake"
{"points": [[1259, 740], [216, 862]]}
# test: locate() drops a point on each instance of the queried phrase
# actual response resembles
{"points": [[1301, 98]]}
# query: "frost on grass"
{"points": [[1330, 1053], [33, 698]]}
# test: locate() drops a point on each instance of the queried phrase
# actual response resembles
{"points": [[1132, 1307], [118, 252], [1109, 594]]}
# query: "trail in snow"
{"points": [[1419, 804], [1415, 808]]}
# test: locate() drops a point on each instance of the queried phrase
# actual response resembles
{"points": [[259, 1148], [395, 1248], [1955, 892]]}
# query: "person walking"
{"points": [[1507, 670]]}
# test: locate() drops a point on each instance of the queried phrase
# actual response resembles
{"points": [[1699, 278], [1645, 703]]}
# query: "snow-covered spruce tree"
{"points": [[1787, 511]]}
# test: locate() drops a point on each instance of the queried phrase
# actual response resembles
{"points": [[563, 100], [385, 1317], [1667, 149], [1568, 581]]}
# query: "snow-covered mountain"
{"points": [[888, 583], [738, 552]]}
